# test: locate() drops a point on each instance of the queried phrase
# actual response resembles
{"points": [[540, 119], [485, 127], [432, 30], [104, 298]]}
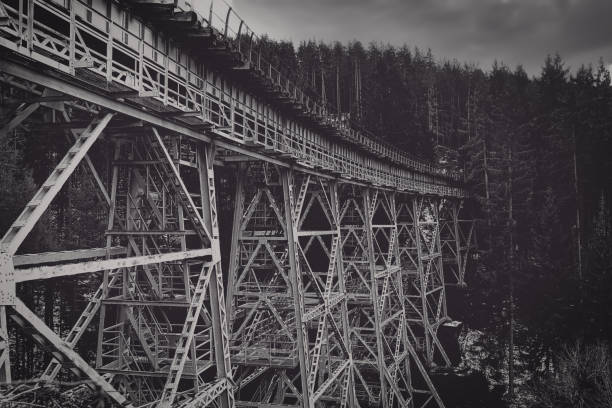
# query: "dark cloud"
{"points": [[475, 31]]}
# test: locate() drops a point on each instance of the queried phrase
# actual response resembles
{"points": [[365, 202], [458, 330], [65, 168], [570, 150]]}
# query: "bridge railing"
{"points": [[231, 26]]}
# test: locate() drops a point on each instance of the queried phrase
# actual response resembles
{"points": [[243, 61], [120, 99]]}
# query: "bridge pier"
{"points": [[458, 240]]}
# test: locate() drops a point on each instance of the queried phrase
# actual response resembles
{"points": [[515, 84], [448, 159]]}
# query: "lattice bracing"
{"points": [[341, 246]]}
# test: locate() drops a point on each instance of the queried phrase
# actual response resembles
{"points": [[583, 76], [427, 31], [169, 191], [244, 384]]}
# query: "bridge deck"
{"points": [[129, 63]]}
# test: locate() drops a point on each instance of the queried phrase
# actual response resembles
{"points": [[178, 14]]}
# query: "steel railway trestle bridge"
{"points": [[341, 245]]}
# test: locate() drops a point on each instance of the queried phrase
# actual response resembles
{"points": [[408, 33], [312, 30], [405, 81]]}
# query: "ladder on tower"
{"points": [[146, 336], [184, 341], [168, 169], [301, 198], [183, 344], [248, 338], [323, 319], [396, 358], [390, 253], [372, 208], [345, 390]]}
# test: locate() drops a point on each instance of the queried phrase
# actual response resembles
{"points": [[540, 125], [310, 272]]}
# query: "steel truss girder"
{"points": [[216, 102]]}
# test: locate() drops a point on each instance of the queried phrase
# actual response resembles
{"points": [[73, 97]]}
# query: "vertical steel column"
{"points": [[466, 241], [235, 243], [440, 268], [217, 301], [335, 205], [296, 283], [176, 145], [368, 207], [450, 241], [422, 276], [404, 358], [5, 363], [455, 214], [110, 225]]}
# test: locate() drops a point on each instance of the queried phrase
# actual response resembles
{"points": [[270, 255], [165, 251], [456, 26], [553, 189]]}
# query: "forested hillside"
{"points": [[536, 155], [534, 151]]}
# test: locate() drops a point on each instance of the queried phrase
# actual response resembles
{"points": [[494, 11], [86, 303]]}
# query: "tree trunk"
{"points": [[487, 191], [511, 278], [338, 88], [578, 228]]}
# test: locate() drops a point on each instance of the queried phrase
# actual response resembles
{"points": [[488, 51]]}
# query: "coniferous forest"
{"points": [[535, 152]]}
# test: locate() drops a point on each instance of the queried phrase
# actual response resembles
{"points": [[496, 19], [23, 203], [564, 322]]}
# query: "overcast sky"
{"points": [[476, 31]]}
